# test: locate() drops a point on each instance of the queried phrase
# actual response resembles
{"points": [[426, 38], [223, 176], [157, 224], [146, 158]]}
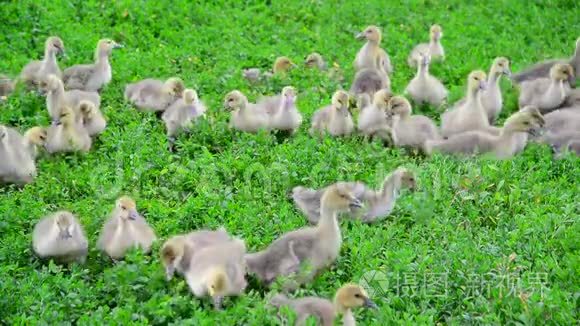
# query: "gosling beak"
{"points": [[56, 123], [118, 46], [483, 85], [133, 215], [290, 100], [507, 72], [356, 203], [370, 304], [533, 132], [572, 80], [360, 36], [60, 51], [66, 234]]}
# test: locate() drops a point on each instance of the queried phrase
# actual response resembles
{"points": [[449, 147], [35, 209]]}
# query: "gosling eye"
{"points": [[124, 208], [476, 78], [358, 295]]}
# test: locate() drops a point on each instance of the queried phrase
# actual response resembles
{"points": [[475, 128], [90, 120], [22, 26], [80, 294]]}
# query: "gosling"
{"points": [[378, 204], [154, 95], [245, 117], [408, 130], [424, 88], [92, 118], [347, 298], [372, 119], [319, 245], [125, 230], [38, 70], [61, 237], [182, 114], [177, 252], [218, 271], [502, 146], [92, 77], [284, 115], [335, 119], [547, 94], [468, 114], [434, 47], [68, 134], [17, 165]]}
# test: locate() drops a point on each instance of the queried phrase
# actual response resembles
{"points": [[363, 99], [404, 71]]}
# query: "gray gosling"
{"points": [[61, 237], [318, 246], [377, 204], [38, 70], [348, 297], [92, 77], [124, 230]]}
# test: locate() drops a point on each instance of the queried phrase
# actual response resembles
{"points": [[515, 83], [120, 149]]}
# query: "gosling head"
{"points": [[282, 65], [190, 96], [352, 296], [341, 101], [289, 95], [235, 100], [106, 46], [66, 117], [399, 106], [49, 84], [55, 45], [87, 109], [436, 32], [171, 255], [174, 87], [371, 34], [36, 136], [381, 99], [424, 59], [340, 198], [562, 72], [127, 209], [407, 178], [64, 222], [217, 286], [477, 81], [314, 60], [529, 119], [501, 66]]}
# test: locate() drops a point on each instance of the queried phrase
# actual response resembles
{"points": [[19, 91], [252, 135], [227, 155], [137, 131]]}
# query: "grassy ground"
{"points": [[482, 241]]}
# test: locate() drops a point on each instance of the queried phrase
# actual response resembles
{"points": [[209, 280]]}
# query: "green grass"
{"points": [[468, 217]]}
